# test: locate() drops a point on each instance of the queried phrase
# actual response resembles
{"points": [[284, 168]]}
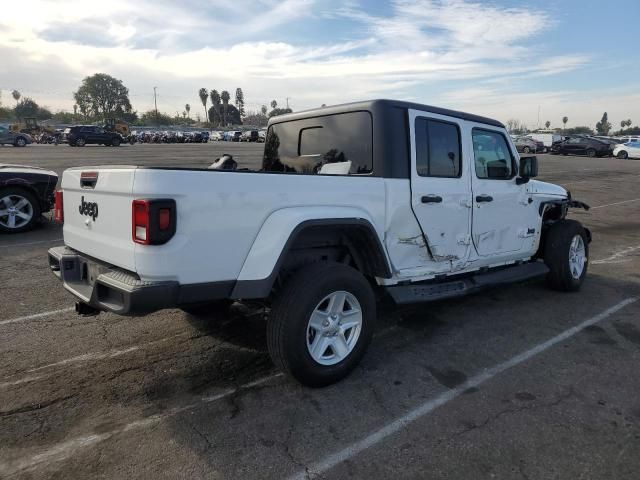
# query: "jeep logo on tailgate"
{"points": [[89, 208]]}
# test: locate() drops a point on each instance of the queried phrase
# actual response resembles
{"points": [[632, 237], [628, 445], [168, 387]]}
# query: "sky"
{"points": [[533, 61]]}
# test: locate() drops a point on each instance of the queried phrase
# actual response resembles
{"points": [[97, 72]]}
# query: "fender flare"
{"points": [[279, 232]]}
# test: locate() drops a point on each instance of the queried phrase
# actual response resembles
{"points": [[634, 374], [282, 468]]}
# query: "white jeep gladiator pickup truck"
{"points": [[351, 202]]}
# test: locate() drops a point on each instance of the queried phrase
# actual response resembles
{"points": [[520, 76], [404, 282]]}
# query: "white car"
{"points": [[627, 150], [436, 204]]}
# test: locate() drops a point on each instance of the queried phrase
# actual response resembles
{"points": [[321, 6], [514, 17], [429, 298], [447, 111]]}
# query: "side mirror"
{"points": [[528, 169]]}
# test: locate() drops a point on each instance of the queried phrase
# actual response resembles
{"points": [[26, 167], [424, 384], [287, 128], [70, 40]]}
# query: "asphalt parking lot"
{"points": [[515, 382]]}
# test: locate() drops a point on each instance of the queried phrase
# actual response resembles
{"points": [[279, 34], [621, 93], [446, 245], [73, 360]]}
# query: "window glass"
{"points": [[493, 158], [2, 129], [437, 149], [306, 146]]}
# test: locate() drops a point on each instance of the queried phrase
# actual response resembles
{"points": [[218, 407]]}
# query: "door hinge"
{"points": [[464, 239]]}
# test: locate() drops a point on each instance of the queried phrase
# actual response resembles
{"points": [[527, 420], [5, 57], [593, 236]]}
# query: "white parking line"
{"points": [[376, 437], [616, 203], [35, 316], [67, 449], [618, 257], [31, 243]]}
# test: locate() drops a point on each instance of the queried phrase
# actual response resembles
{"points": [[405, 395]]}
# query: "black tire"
{"points": [[591, 152], [557, 255], [80, 142], [115, 142], [20, 142], [623, 155], [526, 150], [288, 325], [34, 207]]}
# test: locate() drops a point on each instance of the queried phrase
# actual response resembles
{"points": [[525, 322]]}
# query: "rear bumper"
{"points": [[107, 288]]}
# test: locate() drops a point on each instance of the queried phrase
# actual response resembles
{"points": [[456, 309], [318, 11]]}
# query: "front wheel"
{"points": [[20, 142], [566, 253], [623, 155], [115, 142], [591, 152], [321, 323], [526, 150], [80, 142]]}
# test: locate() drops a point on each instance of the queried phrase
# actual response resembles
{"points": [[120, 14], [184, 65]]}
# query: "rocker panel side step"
{"points": [[428, 292]]}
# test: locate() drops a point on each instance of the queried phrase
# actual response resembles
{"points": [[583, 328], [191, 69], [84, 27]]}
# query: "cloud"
{"points": [[418, 46]]}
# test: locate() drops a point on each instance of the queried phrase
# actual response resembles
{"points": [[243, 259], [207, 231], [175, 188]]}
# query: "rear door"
{"points": [[502, 216], [440, 188], [97, 213], [4, 135]]}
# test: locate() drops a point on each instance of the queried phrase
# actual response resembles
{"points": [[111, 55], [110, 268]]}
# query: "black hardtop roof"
{"points": [[381, 104]]}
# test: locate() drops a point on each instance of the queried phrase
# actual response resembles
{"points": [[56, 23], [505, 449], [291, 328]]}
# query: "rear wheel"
{"points": [[321, 323], [526, 150], [591, 152], [623, 155], [566, 253], [19, 210], [115, 142], [20, 142]]}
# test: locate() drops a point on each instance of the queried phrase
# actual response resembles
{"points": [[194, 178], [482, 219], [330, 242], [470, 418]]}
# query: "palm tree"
{"points": [[263, 109], [623, 124], [274, 104], [215, 103], [564, 122], [187, 108], [16, 96], [225, 100], [204, 96], [547, 124]]}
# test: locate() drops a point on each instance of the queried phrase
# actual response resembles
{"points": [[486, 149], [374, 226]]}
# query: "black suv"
{"points": [[82, 135], [589, 146]]}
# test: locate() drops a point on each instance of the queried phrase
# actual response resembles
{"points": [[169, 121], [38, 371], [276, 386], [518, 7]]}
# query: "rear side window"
{"points": [[308, 146], [437, 148], [493, 159]]}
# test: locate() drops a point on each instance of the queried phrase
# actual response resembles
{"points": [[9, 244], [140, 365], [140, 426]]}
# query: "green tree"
{"points": [[274, 104], [279, 111], [240, 101], [101, 95], [215, 103], [564, 122], [16, 96], [233, 115], [63, 117], [263, 110], [603, 126], [149, 118], [577, 130], [257, 119], [225, 102], [26, 108], [547, 124], [187, 108], [204, 97], [44, 113]]}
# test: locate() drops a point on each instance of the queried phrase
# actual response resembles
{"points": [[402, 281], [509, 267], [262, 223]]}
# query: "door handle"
{"points": [[431, 199], [484, 198]]}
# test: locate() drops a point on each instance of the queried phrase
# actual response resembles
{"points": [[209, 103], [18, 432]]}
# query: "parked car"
{"points": [[627, 150], [250, 136], [25, 194], [262, 135], [215, 136], [525, 144], [336, 217], [81, 135], [547, 139], [628, 138], [579, 145], [17, 139], [232, 136]]}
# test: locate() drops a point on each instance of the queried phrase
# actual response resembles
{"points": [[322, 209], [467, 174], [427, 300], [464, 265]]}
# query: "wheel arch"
{"points": [[308, 235]]}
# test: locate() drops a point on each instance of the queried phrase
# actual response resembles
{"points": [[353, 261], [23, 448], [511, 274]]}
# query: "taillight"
{"points": [[58, 210], [153, 221]]}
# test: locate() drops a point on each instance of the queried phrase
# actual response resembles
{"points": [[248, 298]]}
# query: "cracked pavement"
{"points": [[174, 395]]}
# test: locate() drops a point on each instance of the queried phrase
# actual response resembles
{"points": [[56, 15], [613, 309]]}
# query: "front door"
{"points": [[4, 135], [440, 189], [502, 215]]}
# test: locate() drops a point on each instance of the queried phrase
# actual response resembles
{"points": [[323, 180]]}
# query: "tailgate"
{"points": [[97, 213]]}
